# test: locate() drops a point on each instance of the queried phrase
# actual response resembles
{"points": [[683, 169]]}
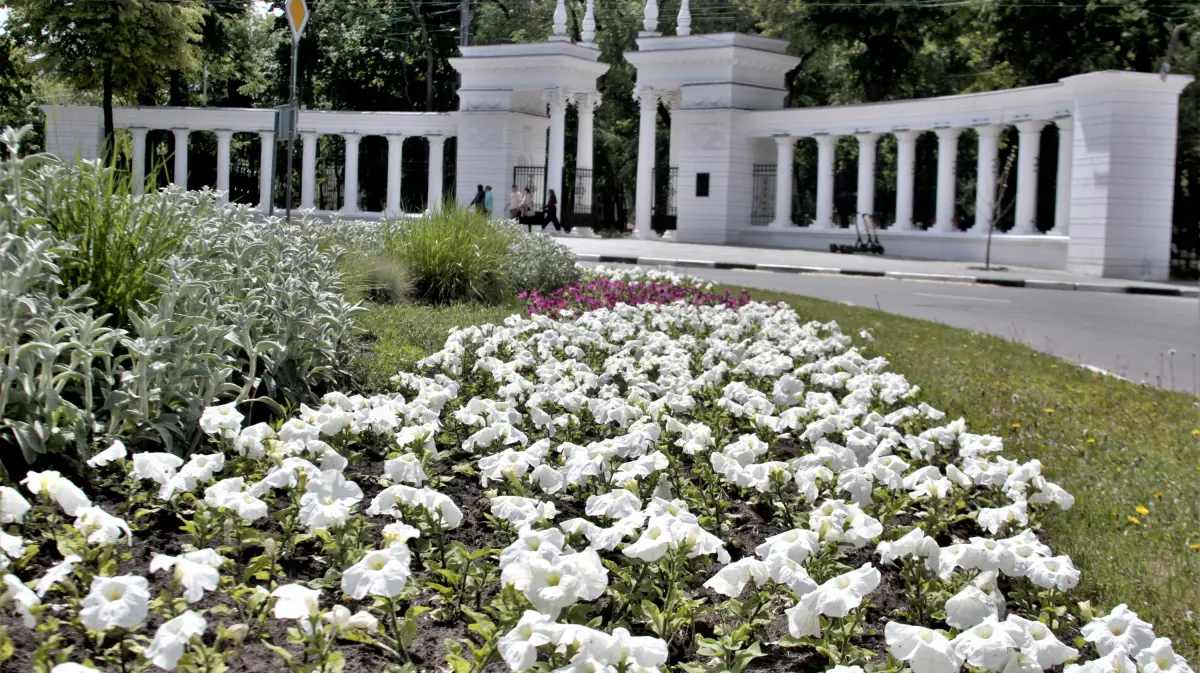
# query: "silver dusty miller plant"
{"points": [[245, 310]]}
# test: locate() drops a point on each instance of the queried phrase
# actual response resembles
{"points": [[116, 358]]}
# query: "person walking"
{"points": [[551, 212], [477, 202], [514, 203], [488, 203], [527, 204]]}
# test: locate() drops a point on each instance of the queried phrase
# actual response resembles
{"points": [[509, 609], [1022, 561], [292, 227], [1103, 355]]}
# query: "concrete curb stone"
{"points": [[1033, 284]]}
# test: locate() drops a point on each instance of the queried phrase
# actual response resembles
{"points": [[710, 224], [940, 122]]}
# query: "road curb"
{"points": [[1033, 284]]}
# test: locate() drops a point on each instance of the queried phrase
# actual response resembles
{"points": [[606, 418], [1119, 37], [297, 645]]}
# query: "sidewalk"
{"points": [[669, 253]]}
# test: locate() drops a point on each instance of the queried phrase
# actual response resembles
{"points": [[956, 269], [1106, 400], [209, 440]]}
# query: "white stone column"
{"points": [[308, 172], [946, 186], [224, 138], [266, 171], [826, 146], [181, 157], [1062, 194], [986, 175], [644, 201], [786, 146], [395, 155], [1027, 181], [672, 101], [437, 153], [139, 159], [906, 171], [867, 145], [586, 104], [557, 147], [350, 198]]}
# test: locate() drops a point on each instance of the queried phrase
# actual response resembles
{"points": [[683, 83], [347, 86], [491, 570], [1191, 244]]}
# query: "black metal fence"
{"points": [[666, 193], [579, 197], [533, 180], [762, 204]]}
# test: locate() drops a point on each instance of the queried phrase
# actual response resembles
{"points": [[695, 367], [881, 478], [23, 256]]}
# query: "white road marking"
{"points": [[956, 296]]}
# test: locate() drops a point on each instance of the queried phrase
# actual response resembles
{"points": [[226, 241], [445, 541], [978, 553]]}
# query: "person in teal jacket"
{"points": [[487, 199]]}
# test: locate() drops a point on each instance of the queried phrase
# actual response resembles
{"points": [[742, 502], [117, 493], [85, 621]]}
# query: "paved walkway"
{"points": [[647, 251]]}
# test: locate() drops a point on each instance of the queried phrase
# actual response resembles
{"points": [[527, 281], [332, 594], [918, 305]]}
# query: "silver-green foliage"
{"points": [[244, 310], [539, 262]]}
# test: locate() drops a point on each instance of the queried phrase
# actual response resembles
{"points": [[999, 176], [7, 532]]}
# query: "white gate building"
{"points": [[725, 94]]}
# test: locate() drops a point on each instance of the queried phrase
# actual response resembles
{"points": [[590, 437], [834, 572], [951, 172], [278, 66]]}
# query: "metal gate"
{"points": [[533, 179], [663, 206], [762, 204], [579, 198]]}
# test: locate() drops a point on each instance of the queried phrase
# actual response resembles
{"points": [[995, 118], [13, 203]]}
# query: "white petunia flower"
{"points": [[56, 574], [22, 597], [58, 488], [223, 420], [1160, 657], [616, 504], [382, 572], [990, 643], [100, 527], [195, 571], [405, 469], [172, 638], [12, 505], [913, 544], [835, 598], [546, 543], [340, 618], [732, 579], [925, 650], [993, 519], [295, 601], [328, 500], [1053, 572], [1120, 631], [551, 586], [969, 607], [1043, 645], [522, 512], [115, 602], [116, 451], [519, 646]]}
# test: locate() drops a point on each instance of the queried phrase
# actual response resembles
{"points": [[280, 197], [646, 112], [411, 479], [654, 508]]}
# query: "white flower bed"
{"points": [[631, 490]]}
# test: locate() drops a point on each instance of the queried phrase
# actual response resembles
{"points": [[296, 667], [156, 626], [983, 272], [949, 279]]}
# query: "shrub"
{"points": [[540, 263], [376, 277], [244, 310], [119, 240], [454, 254]]}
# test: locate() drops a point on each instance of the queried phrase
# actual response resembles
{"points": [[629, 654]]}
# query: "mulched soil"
{"points": [[749, 524]]}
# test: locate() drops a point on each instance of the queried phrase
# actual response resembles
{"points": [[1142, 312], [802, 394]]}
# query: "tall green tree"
{"points": [[116, 47]]}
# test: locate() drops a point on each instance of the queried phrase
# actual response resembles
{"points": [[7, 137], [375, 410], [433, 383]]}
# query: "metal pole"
{"points": [[291, 140], [464, 38]]}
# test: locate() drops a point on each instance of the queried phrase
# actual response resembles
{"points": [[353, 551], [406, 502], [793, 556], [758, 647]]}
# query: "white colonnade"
{"points": [[945, 220], [225, 123]]}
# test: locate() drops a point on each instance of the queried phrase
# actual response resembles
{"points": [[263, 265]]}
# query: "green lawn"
{"points": [[1130, 455]]}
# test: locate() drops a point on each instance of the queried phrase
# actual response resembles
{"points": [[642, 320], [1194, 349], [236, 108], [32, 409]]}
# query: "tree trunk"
{"points": [[109, 129], [178, 90], [428, 55]]}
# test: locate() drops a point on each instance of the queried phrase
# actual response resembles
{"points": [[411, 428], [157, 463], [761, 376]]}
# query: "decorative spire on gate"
{"points": [[650, 25], [589, 24], [683, 25], [560, 23]]}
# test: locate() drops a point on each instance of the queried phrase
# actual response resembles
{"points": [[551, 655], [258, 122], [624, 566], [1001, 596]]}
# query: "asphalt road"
{"points": [[1128, 335]]}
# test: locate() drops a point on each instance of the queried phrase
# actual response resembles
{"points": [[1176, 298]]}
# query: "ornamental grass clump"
{"points": [[454, 254]]}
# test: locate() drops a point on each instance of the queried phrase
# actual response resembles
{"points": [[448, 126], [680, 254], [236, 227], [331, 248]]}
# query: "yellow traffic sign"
{"points": [[297, 16]]}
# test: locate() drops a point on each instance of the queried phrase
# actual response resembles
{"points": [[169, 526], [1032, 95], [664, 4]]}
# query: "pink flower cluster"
{"points": [[599, 293]]}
